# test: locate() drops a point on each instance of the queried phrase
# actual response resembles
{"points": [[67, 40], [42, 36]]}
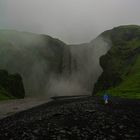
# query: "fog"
{"points": [[84, 69], [48, 66], [73, 21]]}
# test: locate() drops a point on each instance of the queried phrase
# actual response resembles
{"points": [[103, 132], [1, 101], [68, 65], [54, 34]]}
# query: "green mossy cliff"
{"points": [[121, 64], [11, 86]]}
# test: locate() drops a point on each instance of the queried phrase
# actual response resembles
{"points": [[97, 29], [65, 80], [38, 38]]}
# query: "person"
{"points": [[105, 97]]}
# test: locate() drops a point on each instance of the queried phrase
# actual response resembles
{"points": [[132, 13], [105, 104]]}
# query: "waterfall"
{"points": [[81, 68], [85, 62], [50, 67]]}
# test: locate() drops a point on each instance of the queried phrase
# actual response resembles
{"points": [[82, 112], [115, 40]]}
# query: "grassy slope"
{"points": [[4, 95], [130, 87], [11, 86], [118, 59]]}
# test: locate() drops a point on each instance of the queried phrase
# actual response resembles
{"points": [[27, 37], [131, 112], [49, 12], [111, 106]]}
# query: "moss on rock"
{"points": [[11, 86], [118, 63]]}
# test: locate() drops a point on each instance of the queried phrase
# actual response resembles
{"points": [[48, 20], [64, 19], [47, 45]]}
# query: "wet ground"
{"points": [[76, 119], [10, 107]]}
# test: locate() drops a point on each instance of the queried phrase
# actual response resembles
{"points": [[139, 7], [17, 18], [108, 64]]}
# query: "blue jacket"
{"points": [[105, 97]]}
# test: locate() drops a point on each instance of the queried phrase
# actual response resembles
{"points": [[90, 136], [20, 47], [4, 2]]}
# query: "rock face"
{"points": [[49, 66], [11, 85], [82, 68], [121, 63], [37, 58]]}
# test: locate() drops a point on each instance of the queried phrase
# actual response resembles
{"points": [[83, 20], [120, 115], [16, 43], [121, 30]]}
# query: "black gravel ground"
{"points": [[75, 119]]}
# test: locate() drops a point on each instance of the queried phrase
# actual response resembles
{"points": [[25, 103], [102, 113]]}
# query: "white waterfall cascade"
{"points": [[84, 68]]}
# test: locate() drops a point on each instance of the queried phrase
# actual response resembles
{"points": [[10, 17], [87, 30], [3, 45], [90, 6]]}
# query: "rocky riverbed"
{"points": [[75, 119]]}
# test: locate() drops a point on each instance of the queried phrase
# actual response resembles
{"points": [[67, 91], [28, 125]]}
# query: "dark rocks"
{"points": [[73, 120]]}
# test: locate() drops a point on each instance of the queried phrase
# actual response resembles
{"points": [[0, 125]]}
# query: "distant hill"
{"points": [[121, 64]]}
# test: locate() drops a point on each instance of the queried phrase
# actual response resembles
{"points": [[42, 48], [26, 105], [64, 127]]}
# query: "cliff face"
{"points": [[11, 86], [37, 58], [121, 63], [50, 67]]}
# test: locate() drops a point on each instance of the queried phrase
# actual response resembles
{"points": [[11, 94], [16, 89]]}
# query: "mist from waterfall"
{"points": [[48, 66], [84, 69], [32, 56]]}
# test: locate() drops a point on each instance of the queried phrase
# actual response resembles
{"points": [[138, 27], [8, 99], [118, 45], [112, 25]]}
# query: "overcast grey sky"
{"points": [[72, 21]]}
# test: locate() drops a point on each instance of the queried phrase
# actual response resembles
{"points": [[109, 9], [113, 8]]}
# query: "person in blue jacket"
{"points": [[106, 97]]}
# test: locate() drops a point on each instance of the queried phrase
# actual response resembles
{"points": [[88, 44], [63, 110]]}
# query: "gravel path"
{"points": [[75, 119]]}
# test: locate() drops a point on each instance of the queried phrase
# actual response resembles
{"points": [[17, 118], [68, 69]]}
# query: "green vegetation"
{"points": [[11, 86], [121, 65], [4, 95], [130, 86]]}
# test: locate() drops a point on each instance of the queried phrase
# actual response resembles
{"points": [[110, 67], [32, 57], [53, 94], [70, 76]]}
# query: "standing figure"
{"points": [[105, 97]]}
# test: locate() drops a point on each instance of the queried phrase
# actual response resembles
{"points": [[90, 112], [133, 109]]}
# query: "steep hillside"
{"points": [[37, 58], [11, 86], [121, 65], [49, 66]]}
